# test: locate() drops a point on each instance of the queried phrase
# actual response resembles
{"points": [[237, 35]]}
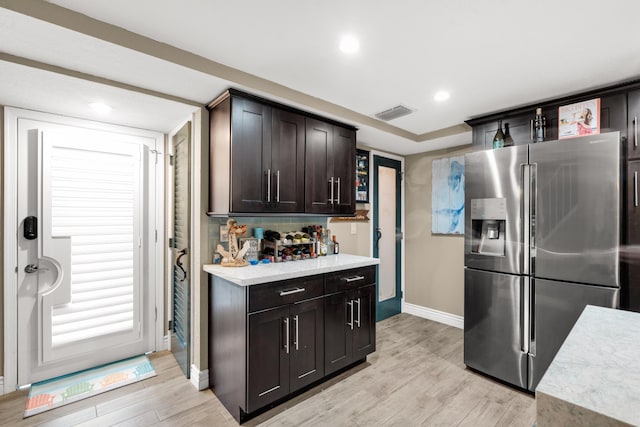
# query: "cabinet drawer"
{"points": [[349, 279], [290, 291]]}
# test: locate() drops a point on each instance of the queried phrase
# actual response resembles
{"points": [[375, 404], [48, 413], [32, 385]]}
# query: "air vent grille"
{"points": [[393, 113]]}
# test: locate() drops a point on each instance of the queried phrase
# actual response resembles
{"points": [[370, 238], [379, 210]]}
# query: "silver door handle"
{"points": [[295, 342], [277, 186], [33, 268], [358, 320], [635, 189], [291, 291], [635, 131], [268, 185], [353, 279], [338, 190], [331, 195], [286, 342], [350, 323]]}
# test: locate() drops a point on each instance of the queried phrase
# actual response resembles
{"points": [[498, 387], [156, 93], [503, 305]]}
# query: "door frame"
{"points": [[373, 153], [10, 165]]}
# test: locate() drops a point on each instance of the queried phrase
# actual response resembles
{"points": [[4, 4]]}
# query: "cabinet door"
{"points": [[318, 166], [250, 155], [364, 329], [287, 162], [344, 170], [268, 357], [633, 143], [338, 345], [307, 343], [630, 296]]}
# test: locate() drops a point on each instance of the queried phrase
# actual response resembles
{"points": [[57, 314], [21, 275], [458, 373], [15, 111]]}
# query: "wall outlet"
{"points": [[354, 228]]}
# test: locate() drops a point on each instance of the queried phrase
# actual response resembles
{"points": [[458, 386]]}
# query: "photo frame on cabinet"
{"points": [[579, 119], [362, 176]]}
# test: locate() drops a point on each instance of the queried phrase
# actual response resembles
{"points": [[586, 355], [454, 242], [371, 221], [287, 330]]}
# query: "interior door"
{"points": [[181, 249], [81, 299], [387, 223]]}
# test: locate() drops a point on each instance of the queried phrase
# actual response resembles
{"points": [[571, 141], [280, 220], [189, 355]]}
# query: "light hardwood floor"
{"points": [[416, 377]]}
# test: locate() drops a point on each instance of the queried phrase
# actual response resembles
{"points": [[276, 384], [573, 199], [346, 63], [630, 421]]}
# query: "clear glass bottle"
{"points": [[336, 245], [330, 247], [323, 242], [498, 139]]}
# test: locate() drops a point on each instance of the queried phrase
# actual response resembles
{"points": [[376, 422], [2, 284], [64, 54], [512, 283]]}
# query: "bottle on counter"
{"points": [[323, 242], [330, 244], [336, 245]]}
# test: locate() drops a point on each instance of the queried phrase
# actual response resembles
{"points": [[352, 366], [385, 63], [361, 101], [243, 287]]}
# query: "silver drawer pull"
{"points": [[353, 279], [291, 291]]}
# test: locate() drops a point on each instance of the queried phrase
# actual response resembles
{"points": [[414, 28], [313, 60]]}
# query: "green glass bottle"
{"points": [[498, 139]]}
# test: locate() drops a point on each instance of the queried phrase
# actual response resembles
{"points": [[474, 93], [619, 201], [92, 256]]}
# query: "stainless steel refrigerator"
{"points": [[541, 242]]}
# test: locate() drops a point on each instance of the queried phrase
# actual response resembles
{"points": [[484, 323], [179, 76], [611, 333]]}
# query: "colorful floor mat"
{"points": [[59, 391]]}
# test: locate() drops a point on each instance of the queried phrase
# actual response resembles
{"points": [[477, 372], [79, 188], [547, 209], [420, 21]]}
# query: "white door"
{"points": [[83, 296]]}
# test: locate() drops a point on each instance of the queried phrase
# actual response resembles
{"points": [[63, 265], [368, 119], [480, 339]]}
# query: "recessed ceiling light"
{"points": [[100, 107], [349, 44], [441, 95]]}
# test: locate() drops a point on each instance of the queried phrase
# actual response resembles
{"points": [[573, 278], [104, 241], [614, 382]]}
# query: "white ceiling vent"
{"points": [[393, 113]]}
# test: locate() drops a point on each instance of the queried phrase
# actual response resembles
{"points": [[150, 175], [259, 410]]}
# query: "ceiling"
{"points": [[155, 61]]}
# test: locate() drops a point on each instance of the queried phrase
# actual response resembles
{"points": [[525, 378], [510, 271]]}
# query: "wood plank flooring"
{"points": [[416, 377]]}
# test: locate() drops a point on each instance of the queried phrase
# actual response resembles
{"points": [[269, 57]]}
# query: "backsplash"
{"points": [[266, 223]]}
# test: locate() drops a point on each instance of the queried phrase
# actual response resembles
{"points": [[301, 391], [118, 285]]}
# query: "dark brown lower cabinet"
{"points": [[285, 351], [271, 340], [630, 292], [349, 327]]}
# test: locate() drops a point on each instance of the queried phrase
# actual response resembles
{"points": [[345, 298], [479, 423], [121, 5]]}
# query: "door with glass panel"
{"points": [[82, 297], [387, 223]]}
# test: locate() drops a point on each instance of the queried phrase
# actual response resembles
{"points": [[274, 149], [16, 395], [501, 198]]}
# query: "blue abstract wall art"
{"points": [[447, 196]]}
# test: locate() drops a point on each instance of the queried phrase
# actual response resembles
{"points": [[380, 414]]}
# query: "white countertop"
{"points": [[263, 273], [595, 378]]}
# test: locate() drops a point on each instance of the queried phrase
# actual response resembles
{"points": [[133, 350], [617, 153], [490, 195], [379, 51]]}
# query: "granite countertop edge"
{"points": [[265, 273]]}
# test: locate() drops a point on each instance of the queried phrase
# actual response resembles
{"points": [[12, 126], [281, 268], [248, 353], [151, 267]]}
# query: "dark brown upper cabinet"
{"points": [[258, 154], [329, 169]]}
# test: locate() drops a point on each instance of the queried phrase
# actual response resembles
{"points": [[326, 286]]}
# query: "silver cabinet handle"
{"points": [[338, 198], [291, 291], [295, 342], [531, 130], [635, 131], [278, 186], [331, 185], [353, 279], [635, 189], [268, 185], [350, 323], [358, 319], [286, 343]]}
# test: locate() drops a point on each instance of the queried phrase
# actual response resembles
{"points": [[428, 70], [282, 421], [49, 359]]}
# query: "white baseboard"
{"points": [[1, 386], [200, 379], [435, 315], [166, 343]]}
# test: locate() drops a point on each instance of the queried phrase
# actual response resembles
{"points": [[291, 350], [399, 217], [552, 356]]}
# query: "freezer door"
{"points": [[575, 209], [493, 322], [493, 209], [557, 306]]}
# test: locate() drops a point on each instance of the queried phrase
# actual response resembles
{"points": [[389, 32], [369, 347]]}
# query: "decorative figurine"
{"points": [[234, 257]]}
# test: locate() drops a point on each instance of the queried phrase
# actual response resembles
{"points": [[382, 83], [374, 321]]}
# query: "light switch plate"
{"points": [[353, 228]]}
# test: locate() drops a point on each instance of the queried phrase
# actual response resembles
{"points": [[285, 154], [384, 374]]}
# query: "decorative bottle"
{"points": [[336, 245], [498, 139], [508, 140], [330, 244], [539, 127]]}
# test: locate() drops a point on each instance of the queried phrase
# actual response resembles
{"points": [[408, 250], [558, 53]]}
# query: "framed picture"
{"points": [[447, 196], [579, 119], [362, 176]]}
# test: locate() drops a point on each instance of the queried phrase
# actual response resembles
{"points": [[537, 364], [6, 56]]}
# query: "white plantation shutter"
{"points": [[93, 194]]}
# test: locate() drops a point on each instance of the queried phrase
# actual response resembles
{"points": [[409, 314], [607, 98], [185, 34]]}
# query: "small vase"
{"points": [[498, 139]]}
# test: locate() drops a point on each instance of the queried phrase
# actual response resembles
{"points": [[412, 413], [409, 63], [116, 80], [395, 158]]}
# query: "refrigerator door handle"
{"points": [[533, 208], [532, 317], [524, 314], [526, 223]]}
